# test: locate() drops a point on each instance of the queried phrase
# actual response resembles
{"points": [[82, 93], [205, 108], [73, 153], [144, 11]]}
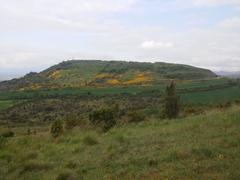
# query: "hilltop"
{"points": [[84, 73]]}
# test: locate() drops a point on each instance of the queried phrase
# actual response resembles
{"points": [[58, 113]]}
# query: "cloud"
{"points": [[215, 2], [231, 24], [156, 45], [60, 14]]}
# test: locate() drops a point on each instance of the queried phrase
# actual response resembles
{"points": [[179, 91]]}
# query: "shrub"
{"points": [[57, 128], [135, 117], [7, 134], [104, 117], [71, 121]]}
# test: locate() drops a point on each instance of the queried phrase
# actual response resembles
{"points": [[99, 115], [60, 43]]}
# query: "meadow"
{"points": [[196, 147]]}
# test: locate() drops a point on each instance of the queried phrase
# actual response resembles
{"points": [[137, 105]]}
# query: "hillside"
{"points": [[197, 147], [82, 73]]}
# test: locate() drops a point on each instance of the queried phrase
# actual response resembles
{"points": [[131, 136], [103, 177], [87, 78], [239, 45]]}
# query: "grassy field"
{"points": [[4, 104], [210, 91], [223, 95], [197, 147]]}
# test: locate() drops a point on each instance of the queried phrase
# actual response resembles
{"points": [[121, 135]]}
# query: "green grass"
{"points": [[131, 90], [209, 91], [200, 147], [203, 83], [4, 104], [223, 95]]}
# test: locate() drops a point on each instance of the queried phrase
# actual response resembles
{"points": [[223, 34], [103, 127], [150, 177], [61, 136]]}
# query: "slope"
{"points": [[82, 73], [198, 147]]}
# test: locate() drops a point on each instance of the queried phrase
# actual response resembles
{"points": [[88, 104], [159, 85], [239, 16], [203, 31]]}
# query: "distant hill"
{"points": [[80, 73], [234, 74]]}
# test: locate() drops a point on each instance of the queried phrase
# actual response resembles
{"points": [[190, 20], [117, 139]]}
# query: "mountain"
{"points": [[234, 74], [81, 73]]}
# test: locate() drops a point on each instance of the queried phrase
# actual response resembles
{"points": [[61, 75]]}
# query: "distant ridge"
{"points": [[84, 73], [232, 74]]}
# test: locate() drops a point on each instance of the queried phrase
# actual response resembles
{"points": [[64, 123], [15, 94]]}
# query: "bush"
{"points": [[7, 134], [135, 117], [57, 128], [105, 118], [71, 121]]}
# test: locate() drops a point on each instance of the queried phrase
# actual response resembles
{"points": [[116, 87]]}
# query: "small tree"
{"points": [[172, 105], [57, 128]]}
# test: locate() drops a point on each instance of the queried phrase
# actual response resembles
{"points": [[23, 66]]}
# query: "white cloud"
{"points": [[231, 24], [59, 14], [215, 2], [156, 45]]}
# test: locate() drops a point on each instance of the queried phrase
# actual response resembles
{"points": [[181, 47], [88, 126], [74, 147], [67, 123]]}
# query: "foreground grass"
{"points": [[201, 147]]}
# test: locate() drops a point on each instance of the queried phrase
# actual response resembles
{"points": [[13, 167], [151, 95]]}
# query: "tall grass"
{"points": [[198, 147]]}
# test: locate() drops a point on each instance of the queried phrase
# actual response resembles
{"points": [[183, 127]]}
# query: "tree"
{"points": [[57, 128], [172, 105]]}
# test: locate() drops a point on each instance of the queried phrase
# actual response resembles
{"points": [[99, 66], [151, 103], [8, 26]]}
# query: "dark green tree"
{"points": [[172, 105]]}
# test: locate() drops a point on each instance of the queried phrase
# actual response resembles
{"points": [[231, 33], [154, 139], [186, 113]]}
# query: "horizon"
{"points": [[39, 34]]}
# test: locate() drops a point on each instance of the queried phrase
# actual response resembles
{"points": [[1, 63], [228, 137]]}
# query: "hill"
{"points": [[83, 73], [198, 147]]}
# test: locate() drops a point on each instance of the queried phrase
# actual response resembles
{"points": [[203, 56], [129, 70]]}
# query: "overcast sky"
{"points": [[35, 34]]}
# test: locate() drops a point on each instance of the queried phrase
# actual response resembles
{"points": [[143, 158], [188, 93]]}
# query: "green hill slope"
{"points": [[199, 147], [83, 73]]}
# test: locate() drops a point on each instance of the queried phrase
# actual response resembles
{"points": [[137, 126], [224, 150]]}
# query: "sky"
{"points": [[36, 34]]}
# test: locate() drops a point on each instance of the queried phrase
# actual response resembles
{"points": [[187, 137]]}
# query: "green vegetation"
{"points": [[105, 74], [104, 118], [4, 104], [216, 96], [48, 105], [172, 106], [198, 147], [57, 128], [135, 117], [71, 121], [107, 120]]}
